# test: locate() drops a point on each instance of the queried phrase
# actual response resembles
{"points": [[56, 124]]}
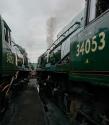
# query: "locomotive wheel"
{"points": [[79, 113], [73, 109], [89, 109]]}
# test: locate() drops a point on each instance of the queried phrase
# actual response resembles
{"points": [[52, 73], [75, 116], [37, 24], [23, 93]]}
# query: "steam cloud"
{"points": [[60, 16], [51, 24]]}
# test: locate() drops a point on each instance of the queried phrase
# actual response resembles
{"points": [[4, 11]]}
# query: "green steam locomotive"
{"points": [[14, 68], [76, 67]]}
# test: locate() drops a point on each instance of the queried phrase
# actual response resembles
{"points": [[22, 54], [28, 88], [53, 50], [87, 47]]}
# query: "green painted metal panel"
{"points": [[8, 64], [65, 68], [89, 51]]}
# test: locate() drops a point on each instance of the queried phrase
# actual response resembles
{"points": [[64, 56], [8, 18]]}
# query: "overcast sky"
{"points": [[28, 20]]}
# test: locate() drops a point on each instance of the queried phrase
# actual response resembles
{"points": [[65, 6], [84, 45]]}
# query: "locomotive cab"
{"points": [[95, 8], [7, 58]]}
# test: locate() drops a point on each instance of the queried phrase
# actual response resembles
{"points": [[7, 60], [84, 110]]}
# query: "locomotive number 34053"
{"points": [[91, 45]]}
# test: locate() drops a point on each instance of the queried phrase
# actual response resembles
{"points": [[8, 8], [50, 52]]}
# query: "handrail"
{"points": [[63, 35]]}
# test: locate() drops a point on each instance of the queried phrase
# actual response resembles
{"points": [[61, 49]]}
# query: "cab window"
{"points": [[102, 6], [7, 35], [92, 12], [96, 8]]}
